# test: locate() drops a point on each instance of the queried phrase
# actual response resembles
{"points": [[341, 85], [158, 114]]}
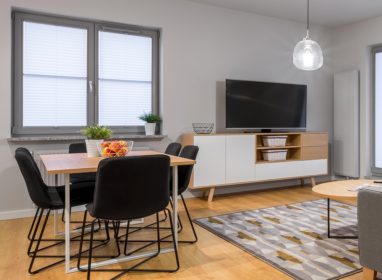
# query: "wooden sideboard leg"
{"points": [[369, 274], [313, 181], [302, 182], [211, 194]]}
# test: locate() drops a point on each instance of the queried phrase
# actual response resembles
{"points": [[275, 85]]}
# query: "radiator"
{"points": [[49, 179]]}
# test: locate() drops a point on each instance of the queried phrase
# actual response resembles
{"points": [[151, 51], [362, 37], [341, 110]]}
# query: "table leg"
{"points": [[67, 223], [328, 227], [55, 222], [175, 202]]}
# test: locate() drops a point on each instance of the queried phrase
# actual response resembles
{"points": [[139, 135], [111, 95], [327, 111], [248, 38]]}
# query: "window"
{"points": [[377, 110], [72, 73]]}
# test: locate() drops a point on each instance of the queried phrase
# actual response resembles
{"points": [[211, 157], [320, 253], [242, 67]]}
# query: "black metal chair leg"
{"points": [[190, 220], [33, 223], [30, 270], [82, 240], [180, 225], [90, 251], [174, 245], [31, 242], [126, 237]]}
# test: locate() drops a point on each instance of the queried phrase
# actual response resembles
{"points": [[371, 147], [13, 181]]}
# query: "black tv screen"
{"points": [[262, 105]]}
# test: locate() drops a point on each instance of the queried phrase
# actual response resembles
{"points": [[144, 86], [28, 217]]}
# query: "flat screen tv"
{"points": [[264, 106]]}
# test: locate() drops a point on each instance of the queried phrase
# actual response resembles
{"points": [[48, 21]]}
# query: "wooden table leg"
{"points": [[313, 181], [211, 194], [369, 274]]}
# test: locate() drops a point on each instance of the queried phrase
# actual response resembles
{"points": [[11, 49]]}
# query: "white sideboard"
{"points": [[234, 159]]}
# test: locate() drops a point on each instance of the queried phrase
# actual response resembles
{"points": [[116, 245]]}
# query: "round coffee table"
{"points": [[338, 190]]}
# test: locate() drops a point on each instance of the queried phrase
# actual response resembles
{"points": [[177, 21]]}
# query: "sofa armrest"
{"points": [[370, 227]]}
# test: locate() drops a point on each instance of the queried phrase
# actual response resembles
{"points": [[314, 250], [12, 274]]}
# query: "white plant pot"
{"points": [[150, 128], [92, 147]]}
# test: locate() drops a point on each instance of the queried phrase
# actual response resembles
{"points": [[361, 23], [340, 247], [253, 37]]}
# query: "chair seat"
{"points": [[83, 177], [80, 193]]}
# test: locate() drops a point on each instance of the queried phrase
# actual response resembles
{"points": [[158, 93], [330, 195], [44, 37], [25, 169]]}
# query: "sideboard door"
{"points": [[210, 164]]}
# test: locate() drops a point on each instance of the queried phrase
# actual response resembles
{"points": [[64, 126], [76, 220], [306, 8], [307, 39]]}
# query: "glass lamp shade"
{"points": [[307, 55]]}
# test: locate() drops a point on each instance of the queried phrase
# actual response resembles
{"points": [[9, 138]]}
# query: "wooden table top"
{"points": [[80, 163], [339, 189]]}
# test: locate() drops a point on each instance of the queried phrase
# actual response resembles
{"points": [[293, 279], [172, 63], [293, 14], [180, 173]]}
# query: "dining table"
{"points": [[71, 163]]}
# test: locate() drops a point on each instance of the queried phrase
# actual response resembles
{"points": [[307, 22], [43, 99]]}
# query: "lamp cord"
{"points": [[307, 19]]}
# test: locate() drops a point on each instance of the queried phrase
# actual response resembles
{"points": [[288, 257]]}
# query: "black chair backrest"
{"points": [[184, 172], [76, 148], [131, 187], [36, 187], [173, 149]]}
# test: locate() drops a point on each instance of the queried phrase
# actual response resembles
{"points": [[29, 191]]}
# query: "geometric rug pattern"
{"points": [[293, 238]]}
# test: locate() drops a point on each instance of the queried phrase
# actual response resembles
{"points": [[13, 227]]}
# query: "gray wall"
{"points": [[351, 51], [201, 46]]}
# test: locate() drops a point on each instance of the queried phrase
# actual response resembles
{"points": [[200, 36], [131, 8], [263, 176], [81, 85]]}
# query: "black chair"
{"points": [[173, 149], [184, 176], [46, 199], [83, 178], [130, 188], [80, 180]]}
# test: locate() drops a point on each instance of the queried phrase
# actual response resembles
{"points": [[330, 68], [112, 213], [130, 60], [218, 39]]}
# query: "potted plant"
{"points": [[95, 135], [151, 121]]}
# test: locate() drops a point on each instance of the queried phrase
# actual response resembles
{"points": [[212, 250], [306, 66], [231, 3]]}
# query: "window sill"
{"points": [[137, 137]]}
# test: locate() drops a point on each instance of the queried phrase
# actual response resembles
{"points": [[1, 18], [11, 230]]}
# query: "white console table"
{"points": [[234, 159]]}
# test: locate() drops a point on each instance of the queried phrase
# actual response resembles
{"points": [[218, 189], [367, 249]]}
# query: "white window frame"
{"points": [[92, 28], [374, 170]]}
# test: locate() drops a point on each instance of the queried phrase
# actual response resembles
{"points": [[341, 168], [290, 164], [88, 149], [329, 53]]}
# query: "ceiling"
{"points": [[331, 13]]}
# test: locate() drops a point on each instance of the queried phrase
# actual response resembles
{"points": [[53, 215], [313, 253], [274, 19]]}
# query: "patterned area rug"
{"points": [[292, 238]]}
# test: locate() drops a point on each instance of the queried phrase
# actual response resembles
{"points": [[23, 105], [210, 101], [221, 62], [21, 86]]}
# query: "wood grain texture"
{"points": [[318, 152], [211, 258], [339, 189], [80, 163], [314, 139], [369, 274]]}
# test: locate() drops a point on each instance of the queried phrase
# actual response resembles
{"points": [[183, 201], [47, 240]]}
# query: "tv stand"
{"points": [[235, 159]]}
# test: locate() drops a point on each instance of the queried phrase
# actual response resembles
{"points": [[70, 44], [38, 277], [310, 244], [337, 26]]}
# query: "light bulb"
{"points": [[307, 55]]}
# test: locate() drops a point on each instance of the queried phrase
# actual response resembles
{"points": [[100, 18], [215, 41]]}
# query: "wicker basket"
{"points": [[203, 128], [275, 141], [273, 155]]}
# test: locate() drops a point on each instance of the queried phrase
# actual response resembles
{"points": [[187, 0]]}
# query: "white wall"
{"points": [[351, 51], [201, 46]]}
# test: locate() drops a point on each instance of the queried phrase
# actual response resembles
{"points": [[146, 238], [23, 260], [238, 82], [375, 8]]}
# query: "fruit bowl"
{"points": [[115, 148]]}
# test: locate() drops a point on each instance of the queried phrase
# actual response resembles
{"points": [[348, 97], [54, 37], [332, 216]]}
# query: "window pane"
{"points": [[378, 110], [54, 101], [54, 75], [125, 78], [122, 102]]}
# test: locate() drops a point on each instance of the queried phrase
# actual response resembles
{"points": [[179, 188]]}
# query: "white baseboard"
{"points": [[26, 213], [15, 214]]}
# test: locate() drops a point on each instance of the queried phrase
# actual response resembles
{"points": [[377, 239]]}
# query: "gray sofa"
{"points": [[370, 231]]}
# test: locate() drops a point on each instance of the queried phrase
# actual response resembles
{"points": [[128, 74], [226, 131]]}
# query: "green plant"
{"points": [[150, 118], [97, 132]]}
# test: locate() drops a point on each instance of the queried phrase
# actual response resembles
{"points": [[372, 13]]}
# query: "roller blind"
{"points": [[125, 78], [54, 75]]}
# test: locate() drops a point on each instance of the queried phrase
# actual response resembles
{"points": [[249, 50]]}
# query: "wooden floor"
{"points": [[210, 258]]}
